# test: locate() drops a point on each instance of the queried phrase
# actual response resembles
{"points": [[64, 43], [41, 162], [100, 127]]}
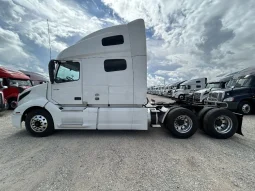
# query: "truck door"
{"points": [[66, 89]]}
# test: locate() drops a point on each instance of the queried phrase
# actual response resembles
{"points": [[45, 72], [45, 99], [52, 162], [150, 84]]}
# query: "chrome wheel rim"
{"points": [[39, 123], [183, 124], [246, 108], [223, 124]]}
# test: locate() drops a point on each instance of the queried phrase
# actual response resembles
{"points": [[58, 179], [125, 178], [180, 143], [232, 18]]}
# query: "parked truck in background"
{"points": [[215, 84], [35, 78], [116, 98], [15, 83], [239, 95], [174, 87], [189, 86]]}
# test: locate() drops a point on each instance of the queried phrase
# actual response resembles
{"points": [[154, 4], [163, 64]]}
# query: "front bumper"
{"points": [[227, 104], [3, 107], [16, 119], [232, 105]]}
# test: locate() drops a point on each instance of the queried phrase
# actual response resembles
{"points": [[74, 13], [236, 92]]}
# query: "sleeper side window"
{"points": [[198, 86], [113, 40], [198, 81], [68, 72], [113, 65]]}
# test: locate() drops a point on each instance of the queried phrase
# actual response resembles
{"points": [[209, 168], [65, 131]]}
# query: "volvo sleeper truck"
{"points": [[100, 83]]}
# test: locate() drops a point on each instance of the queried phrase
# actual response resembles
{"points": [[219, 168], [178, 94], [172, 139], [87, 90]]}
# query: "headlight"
{"points": [[229, 99]]}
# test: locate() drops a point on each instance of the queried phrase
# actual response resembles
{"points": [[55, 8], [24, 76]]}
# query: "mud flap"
{"points": [[240, 121]]}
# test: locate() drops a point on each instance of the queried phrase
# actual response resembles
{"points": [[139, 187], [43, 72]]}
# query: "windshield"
{"points": [[20, 83], [183, 87], [213, 85], [244, 81], [231, 83]]}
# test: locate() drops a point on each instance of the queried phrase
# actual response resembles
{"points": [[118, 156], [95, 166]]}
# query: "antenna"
{"points": [[49, 37]]}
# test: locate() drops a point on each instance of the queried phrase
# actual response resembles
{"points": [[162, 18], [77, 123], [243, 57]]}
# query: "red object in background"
{"points": [[16, 82]]}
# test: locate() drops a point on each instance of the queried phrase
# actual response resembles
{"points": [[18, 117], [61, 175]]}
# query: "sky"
{"points": [[185, 38]]}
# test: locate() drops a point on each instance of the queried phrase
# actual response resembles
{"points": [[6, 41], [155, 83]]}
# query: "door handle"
{"points": [[55, 89], [77, 98]]}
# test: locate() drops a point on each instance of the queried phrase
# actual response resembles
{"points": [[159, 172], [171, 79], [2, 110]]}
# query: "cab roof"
{"points": [[6, 73], [130, 40]]}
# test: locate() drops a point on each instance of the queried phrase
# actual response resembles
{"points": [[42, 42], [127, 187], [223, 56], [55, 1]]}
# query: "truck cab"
{"points": [[189, 87], [98, 83], [239, 95], [173, 88], [215, 84], [15, 83]]}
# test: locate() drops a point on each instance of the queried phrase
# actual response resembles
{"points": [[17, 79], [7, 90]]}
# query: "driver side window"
{"points": [[68, 72]]}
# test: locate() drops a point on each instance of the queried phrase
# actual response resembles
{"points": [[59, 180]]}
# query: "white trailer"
{"points": [[188, 87], [99, 83]]}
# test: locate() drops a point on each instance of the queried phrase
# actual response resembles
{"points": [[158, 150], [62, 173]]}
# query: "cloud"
{"points": [[185, 39], [204, 37], [26, 21]]}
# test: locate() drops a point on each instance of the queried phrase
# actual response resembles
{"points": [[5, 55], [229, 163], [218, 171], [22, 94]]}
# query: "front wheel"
{"points": [[181, 97], [245, 107], [39, 123], [182, 122], [12, 103]]}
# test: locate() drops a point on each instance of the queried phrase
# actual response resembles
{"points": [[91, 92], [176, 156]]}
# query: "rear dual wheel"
{"points": [[220, 123], [181, 122]]}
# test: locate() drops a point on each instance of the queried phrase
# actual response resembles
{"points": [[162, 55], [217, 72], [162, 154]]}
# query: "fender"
{"points": [[39, 102]]}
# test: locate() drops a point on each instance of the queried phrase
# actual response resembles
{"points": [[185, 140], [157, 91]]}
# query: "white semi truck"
{"points": [[215, 84], [99, 83], [190, 86]]}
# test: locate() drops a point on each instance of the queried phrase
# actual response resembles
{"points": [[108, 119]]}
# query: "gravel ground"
{"points": [[125, 160]]}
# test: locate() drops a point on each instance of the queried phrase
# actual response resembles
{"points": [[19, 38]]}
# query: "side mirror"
{"points": [[232, 87], [51, 68]]}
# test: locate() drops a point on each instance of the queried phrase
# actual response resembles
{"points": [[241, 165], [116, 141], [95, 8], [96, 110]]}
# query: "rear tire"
{"points": [[245, 108], [201, 115], [39, 123], [220, 123], [181, 122]]}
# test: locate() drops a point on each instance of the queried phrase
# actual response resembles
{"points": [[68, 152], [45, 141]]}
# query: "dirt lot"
{"points": [[125, 160]]}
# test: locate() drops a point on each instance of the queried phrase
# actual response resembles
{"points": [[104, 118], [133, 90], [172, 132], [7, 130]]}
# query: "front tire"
{"points": [[182, 122], [12, 103], [181, 97], [220, 123], [245, 108], [39, 123]]}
